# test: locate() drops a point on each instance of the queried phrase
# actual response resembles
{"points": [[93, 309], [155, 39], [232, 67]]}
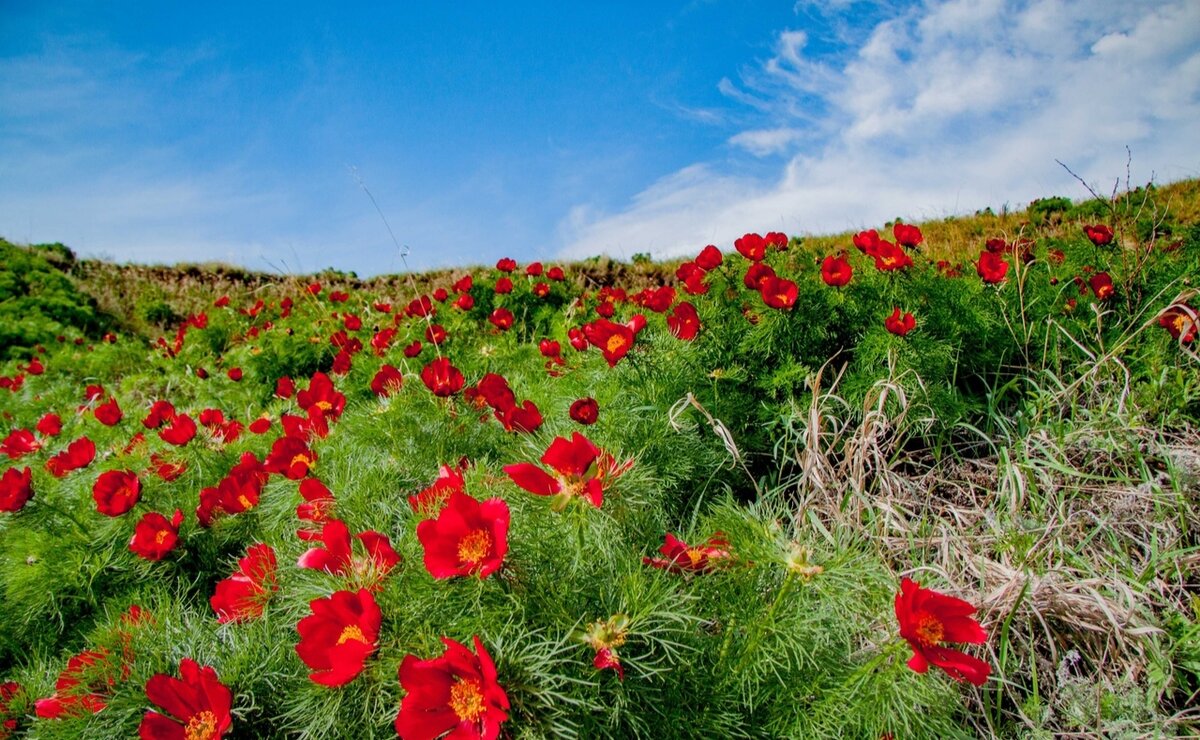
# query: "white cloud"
{"points": [[949, 107]]}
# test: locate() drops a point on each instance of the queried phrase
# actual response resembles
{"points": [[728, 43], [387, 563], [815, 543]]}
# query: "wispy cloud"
{"points": [[945, 107]]}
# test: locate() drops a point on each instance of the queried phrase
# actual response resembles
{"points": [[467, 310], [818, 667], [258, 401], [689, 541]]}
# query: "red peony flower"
{"points": [[556, 274], [579, 467], [339, 636], [889, 257], [387, 381], [898, 324], [160, 412], [116, 491], [1100, 235], [261, 425], [167, 469], [614, 340], [19, 443], [16, 488], [578, 339], [243, 595], [337, 555], [541, 290], [284, 387], [1102, 285], [235, 374], [991, 267], [9, 718], [504, 286], [534, 269], [79, 454], [108, 413], [710, 258], [290, 457], [678, 557], [154, 536], [523, 418], [751, 246], [506, 264], [82, 687], [1180, 321], [757, 274], [317, 507], [464, 302], [502, 319], [928, 619], [93, 392], [549, 348], [238, 491], [180, 431], [907, 235], [443, 378], [49, 425], [197, 705], [455, 693], [321, 397], [430, 500], [684, 322], [467, 538], [605, 637], [836, 271], [585, 411], [776, 239], [867, 242], [778, 292]]}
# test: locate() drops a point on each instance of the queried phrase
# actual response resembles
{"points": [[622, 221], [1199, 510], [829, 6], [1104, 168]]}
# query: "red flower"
{"points": [[605, 637], [467, 538], [534, 269], [290, 457], [776, 239], [524, 418], [927, 619], [339, 636], [778, 292], [1102, 285], [317, 507], [321, 397], [556, 274], [387, 381], [678, 557], [284, 387], [341, 363], [16, 488], [167, 469], [898, 324], [108, 413], [93, 392], [180, 431], [1100, 235], [337, 555], [79, 454], [506, 264], [412, 350], [235, 374], [160, 412], [261, 425], [614, 340], [442, 378], [710, 258], [502, 319], [756, 274], [991, 267], [684, 322], [463, 284], [430, 500], [455, 693], [49, 425], [579, 469], [82, 687], [382, 307], [314, 288], [504, 285], [197, 705], [836, 271], [464, 302], [238, 491], [1180, 321], [19, 443], [585, 411], [243, 595], [692, 276], [657, 300], [752, 246], [907, 235], [549, 348], [889, 257], [867, 242], [116, 492], [9, 718], [154, 536], [578, 339], [541, 290]]}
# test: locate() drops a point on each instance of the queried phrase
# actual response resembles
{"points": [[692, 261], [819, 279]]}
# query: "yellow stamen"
{"points": [[614, 343], [201, 726], [930, 630], [474, 547], [351, 632], [467, 700]]}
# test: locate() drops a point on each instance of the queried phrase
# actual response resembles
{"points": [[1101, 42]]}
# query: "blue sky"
{"points": [[171, 132]]}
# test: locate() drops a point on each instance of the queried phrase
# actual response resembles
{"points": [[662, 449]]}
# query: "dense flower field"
{"points": [[518, 504]]}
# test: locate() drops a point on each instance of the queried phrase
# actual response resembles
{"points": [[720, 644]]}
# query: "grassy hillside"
{"points": [[686, 499]]}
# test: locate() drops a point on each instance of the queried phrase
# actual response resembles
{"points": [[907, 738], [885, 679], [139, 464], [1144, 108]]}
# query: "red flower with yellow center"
{"points": [[578, 468], [197, 705], [16, 488], [243, 595], [116, 491], [79, 454], [154, 536], [1102, 285], [900, 324], [430, 500], [991, 267], [339, 636], [455, 693], [612, 339], [927, 620], [443, 378], [679, 557], [467, 538], [1180, 321], [889, 257], [836, 271], [337, 555]]}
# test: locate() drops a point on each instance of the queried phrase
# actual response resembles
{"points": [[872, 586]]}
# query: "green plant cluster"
{"points": [[38, 302]]}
